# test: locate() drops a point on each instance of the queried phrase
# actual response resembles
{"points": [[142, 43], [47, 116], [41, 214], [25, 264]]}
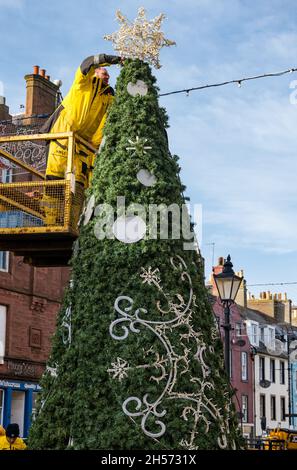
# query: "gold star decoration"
{"points": [[141, 39]]}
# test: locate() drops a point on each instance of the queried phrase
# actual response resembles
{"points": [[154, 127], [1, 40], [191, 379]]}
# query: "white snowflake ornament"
{"points": [[146, 178], [138, 88]]}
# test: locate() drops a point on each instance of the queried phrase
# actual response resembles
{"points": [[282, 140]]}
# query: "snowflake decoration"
{"points": [[119, 369], [139, 146], [150, 277], [141, 39], [52, 370]]}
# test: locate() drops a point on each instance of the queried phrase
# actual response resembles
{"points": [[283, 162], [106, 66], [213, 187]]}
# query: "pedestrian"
{"points": [[12, 439]]}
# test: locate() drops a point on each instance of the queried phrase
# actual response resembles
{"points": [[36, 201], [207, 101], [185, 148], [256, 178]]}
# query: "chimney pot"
{"points": [[42, 72], [36, 69], [221, 261], [47, 77]]}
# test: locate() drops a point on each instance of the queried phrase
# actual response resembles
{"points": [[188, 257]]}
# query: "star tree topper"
{"points": [[141, 39]]}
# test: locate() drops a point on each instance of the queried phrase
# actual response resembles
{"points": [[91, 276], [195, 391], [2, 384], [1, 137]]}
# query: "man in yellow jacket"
{"points": [[12, 441], [83, 110]]}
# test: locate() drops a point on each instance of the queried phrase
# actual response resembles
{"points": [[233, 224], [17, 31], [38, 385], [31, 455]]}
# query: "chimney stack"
{"points": [[41, 93], [4, 110]]}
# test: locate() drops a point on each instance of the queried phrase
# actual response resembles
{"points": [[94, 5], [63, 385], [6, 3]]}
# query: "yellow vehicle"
{"points": [[281, 439]]}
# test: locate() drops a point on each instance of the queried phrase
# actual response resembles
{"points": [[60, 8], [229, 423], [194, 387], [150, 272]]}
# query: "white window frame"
{"points": [[273, 400], [272, 375], [282, 372], [5, 269], [3, 322], [282, 409], [271, 337], [262, 371], [244, 366]]}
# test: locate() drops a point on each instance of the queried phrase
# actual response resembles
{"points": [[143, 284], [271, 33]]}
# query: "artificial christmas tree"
{"points": [[137, 359]]}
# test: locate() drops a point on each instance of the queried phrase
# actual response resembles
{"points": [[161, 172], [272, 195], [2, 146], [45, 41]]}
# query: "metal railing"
{"points": [[265, 444], [32, 204]]}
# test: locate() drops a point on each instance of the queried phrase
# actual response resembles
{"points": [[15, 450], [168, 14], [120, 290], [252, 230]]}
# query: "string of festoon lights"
{"points": [[238, 81]]}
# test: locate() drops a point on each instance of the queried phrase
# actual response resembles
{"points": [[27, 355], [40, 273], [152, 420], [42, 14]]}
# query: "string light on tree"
{"points": [[141, 39]]}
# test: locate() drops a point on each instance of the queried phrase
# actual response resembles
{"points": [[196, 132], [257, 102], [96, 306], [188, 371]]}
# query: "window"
{"points": [[273, 407], [272, 371], [238, 329], [244, 365], [282, 372], [262, 334], [283, 408], [4, 260], [262, 406], [262, 368], [1, 405], [6, 175], [244, 409], [254, 334], [2, 332], [271, 337]]}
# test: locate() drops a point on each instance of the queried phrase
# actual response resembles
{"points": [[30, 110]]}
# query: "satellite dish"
{"points": [[265, 383], [278, 348]]}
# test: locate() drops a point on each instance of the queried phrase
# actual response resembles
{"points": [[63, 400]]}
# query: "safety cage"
{"points": [[38, 218]]}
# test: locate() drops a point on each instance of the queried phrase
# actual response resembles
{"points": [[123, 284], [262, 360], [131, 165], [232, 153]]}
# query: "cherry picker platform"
{"points": [[39, 218]]}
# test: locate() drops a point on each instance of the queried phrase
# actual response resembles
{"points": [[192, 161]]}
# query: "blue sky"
{"points": [[237, 146]]}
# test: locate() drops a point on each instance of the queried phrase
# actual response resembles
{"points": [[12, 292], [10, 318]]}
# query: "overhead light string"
{"points": [[238, 82]]}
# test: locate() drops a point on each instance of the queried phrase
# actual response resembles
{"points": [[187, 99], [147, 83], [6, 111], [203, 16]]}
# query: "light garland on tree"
{"points": [[200, 405], [141, 39]]}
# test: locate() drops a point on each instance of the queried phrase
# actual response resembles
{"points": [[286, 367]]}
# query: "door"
{"points": [[18, 409]]}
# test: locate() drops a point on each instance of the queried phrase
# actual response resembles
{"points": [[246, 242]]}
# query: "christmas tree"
{"points": [[137, 360]]}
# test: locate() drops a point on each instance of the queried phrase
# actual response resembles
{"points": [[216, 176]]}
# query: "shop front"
{"points": [[17, 403]]}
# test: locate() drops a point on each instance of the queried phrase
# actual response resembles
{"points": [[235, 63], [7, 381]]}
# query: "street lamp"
{"points": [[227, 284]]}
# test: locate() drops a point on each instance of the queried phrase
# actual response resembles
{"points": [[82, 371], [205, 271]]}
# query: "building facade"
{"points": [[269, 348], [29, 297]]}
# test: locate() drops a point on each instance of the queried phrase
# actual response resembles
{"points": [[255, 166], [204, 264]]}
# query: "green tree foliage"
{"points": [[144, 368]]}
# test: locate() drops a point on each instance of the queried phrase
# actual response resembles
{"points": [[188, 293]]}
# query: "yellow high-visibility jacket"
{"points": [[86, 103], [17, 445]]}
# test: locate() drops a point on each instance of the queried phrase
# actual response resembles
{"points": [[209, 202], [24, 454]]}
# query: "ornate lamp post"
{"points": [[227, 284]]}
